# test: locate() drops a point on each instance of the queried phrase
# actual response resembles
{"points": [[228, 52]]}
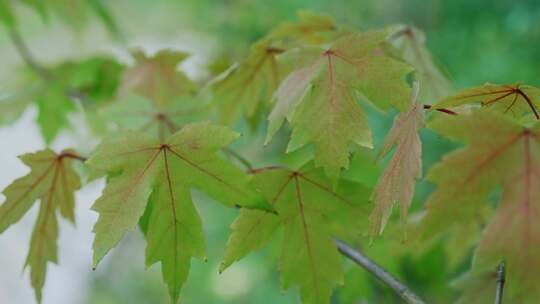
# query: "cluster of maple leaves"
{"points": [[316, 76]]}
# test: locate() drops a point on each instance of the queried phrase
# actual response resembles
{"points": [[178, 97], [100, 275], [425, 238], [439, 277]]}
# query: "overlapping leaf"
{"points": [[318, 98], [157, 77], [508, 157], [167, 171], [309, 212], [410, 44], [137, 113], [518, 101], [311, 28], [52, 181], [247, 88], [397, 182]]}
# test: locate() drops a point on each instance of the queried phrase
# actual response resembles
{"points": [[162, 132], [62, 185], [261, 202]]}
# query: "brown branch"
{"points": [[359, 258], [501, 279]]}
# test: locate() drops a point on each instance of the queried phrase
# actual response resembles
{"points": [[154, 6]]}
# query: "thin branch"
{"points": [[399, 288], [36, 67], [501, 278], [27, 56]]}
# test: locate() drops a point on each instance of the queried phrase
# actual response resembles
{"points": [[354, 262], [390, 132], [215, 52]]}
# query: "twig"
{"points": [[403, 291], [501, 278], [27, 56]]}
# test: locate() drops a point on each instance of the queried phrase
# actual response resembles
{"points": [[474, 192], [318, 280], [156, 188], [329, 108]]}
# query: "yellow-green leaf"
{"points": [[397, 182], [53, 182], [320, 97], [507, 157], [311, 213], [168, 170]]}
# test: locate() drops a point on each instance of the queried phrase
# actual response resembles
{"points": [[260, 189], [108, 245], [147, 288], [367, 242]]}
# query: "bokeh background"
{"points": [[474, 42]]}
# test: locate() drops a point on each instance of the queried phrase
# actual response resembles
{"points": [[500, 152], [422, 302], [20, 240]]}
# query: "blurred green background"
{"points": [[474, 41]]}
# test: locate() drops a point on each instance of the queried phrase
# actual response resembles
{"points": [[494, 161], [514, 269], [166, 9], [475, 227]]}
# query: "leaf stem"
{"points": [[359, 258], [501, 279], [443, 110]]}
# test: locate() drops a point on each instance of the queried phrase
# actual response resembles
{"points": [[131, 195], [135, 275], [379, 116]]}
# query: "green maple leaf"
{"points": [[311, 28], [507, 157], [141, 165], [156, 77], [310, 213], [135, 112], [516, 100], [53, 182], [410, 44], [318, 98], [396, 184], [247, 88]]}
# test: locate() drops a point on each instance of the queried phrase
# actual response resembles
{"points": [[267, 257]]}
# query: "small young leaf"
{"points": [[156, 77], [53, 182], [397, 182]]}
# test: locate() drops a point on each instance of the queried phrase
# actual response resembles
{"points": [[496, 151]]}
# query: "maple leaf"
{"points": [[515, 99], [156, 77], [509, 157], [167, 170], [134, 112], [311, 28], [410, 44], [53, 182], [308, 210], [247, 87], [318, 98], [397, 182]]}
